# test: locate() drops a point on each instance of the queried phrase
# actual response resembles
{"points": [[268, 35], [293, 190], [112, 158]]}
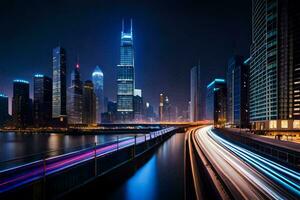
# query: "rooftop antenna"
{"points": [[123, 25], [131, 26]]}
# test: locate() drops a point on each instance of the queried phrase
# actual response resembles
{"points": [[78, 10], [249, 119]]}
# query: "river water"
{"points": [[161, 177], [16, 145]]}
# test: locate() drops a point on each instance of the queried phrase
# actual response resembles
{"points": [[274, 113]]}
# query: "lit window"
{"points": [[296, 124], [284, 124], [273, 124]]}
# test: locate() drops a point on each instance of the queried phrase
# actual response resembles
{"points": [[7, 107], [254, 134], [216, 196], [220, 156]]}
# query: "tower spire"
{"points": [[123, 25], [131, 26]]}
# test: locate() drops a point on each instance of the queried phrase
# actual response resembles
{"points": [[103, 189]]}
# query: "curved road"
{"points": [[247, 175]]}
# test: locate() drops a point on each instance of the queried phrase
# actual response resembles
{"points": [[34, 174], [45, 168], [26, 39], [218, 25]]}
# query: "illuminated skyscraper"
{"points": [[42, 101], [98, 89], [21, 104], [161, 107], [3, 109], [125, 76], [75, 97], [275, 65], [196, 97], [59, 84]]}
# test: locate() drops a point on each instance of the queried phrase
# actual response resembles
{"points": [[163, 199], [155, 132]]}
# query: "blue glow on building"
{"points": [[3, 95], [217, 80], [98, 78], [125, 76], [39, 75], [20, 81]]}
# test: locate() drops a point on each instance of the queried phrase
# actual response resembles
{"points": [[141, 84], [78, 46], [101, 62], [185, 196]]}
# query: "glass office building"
{"points": [[21, 104], [275, 66], [97, 78], [59, 96], [216, 102], [196, 110], [3, 109], [89, 103], [42, 100], [237, 92], [74, 106], [125, 76]]}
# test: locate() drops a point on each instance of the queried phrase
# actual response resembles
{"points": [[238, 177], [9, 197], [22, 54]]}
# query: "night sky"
{"points": [[169, 37]]}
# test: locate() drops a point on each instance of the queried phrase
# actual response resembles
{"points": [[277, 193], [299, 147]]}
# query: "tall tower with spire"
{"points": [[74, 106], [126, 75]]}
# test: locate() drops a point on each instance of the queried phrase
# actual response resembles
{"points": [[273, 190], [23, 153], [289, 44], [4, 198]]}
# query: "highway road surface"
{"points": [[246, 174]]}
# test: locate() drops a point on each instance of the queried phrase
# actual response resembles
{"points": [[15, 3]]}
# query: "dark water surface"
{"points": [[161, 177], [15, 145]]}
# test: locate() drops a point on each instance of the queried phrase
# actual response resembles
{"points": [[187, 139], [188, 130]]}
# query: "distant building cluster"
{"points": [[261, 92], [81, 103]]}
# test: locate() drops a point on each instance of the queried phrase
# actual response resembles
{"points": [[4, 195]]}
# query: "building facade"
{"points": [[237, 92], [138, 105], [161, 107], [97, 78], [216, 102], [59, 85], [196, 113], [89, 103], [74, 107], [4, 116], [275, 65], [126, 76], [21, 111], [42, 100]]}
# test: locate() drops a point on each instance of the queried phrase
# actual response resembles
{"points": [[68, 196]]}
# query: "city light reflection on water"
{"points": [[161, 177]]}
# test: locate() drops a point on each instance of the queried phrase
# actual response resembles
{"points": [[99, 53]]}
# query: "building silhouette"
{"points": [[74, 106], [42, 100], [59, 88], [89, 103], [237, 92], [21, 111]]}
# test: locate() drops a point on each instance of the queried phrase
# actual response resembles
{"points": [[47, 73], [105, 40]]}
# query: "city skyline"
{"points": [[97, 45]]}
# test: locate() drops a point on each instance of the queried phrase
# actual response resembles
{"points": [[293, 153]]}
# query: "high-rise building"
{"points": [[216, 102], [21, 104], [125, 76], [89, 103], [3, 109], [42, 100], [138, 105], [74, 106], [59, 90], [275, 63], [237, 92], [98, 89], [167, 115], [149, 112], [196, 96], [161, 107]]}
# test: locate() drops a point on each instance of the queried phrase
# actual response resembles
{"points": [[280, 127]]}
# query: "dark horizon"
{"points": [[169, 39]]}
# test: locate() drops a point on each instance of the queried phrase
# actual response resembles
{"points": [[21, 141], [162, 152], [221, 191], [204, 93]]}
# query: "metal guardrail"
{"points": [[54, 175]]}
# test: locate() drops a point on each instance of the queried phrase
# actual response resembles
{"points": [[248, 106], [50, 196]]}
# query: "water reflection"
{"points": [[15, 145], [143, 184], [161, 177]]}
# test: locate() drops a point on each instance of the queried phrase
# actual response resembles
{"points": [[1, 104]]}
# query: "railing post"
{"points": [[134, 146], [95, 157], [44, 178], [117, 142]]}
